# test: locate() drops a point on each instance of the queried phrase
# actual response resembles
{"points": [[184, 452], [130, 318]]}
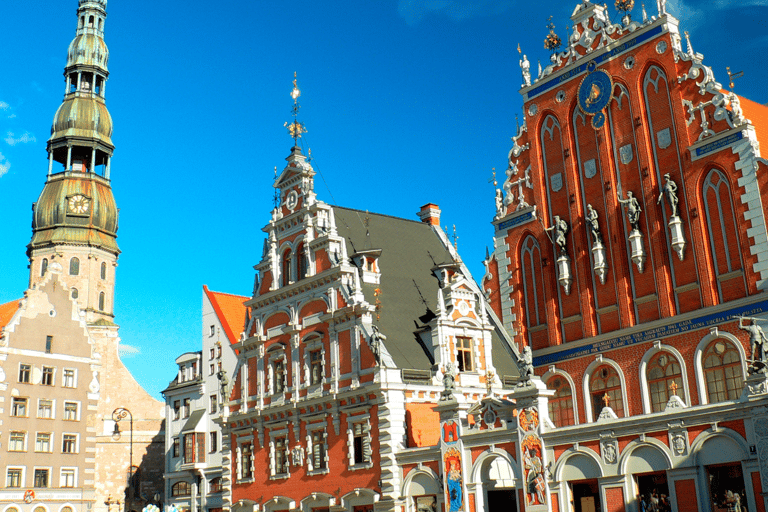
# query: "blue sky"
{"points": [[406, 102]]}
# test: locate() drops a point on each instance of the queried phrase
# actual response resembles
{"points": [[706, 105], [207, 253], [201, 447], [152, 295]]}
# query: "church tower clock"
{"points": [[74, 221]]}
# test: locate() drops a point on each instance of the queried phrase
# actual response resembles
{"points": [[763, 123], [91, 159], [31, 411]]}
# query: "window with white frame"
{"points": [[314, 361], [361, 443], [277, 370], [17, 441], [45, 408], [464, 359], [561, 404], [214, 398], [19, 407], [279, 456], [214, 441], [69, 443], [722, 371], [187, 407], [25, 371], [317, 451], [42, 477], [176, 409], [69, 378], [43, 442], [664, 379], [245, 468], [71, 410], [48, 375], [605, 390], [68, 477], [14, 477]]}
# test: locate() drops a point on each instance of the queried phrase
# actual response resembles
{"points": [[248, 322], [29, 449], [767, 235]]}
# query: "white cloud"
{"points": [[414, 10], [691, 17], [129, 350], [4, 105], [5, 165], [25, 138]]}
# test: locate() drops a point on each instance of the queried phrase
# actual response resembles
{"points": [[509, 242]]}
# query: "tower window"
{"points": [[90, 21], [101, 301], [44, 267], [49, 342], [74, 267], [103, 270], [75, 293]]}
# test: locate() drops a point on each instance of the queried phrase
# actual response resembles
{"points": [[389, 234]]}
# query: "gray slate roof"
{"points": [[410, 249]]}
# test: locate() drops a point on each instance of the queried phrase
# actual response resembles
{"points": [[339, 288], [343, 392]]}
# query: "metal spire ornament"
{"points": [[295, 129], [552, 42]]}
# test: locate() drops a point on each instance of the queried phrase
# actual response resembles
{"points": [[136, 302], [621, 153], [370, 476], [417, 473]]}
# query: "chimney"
{"points": [[430, 214]]}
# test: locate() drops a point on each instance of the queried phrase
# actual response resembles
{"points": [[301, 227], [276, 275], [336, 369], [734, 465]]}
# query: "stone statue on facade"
{"points": [[525, 66], [500, 210], [759, 343], [559, 228], [525, 365], [594, 226], [449, 382], [633, 209], [670, 190], [377, 338]]}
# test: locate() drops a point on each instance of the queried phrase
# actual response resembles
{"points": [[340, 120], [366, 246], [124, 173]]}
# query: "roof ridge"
{"points": [[367, 212]]}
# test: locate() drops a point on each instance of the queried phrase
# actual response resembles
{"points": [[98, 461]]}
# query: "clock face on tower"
{"points": [[79, 204]]}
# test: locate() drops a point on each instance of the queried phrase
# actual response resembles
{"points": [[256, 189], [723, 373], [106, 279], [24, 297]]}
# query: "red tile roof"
{"points": [[7, 310], [758, 114], [230, 310]]}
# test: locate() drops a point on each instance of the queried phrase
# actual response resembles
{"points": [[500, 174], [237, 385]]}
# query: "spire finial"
{"points": [[552, 42], [688, 42], [295, 129]]}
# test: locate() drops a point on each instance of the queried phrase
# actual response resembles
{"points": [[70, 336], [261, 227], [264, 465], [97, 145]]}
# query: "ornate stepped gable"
{"points": [[609, 168]]}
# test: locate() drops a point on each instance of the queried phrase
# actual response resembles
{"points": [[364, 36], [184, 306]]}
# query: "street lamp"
{"points": [[117, 415]]}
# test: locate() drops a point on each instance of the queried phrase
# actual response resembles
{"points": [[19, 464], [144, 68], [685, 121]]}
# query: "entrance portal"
{"points": [[726, 487], [648, 484], [502, 500], [586, 496]]}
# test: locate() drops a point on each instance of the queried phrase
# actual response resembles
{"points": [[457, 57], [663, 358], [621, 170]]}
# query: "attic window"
{"points": [[369, 264], [464, 354]]}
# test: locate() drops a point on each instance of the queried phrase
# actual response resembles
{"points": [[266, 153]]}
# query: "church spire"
{"points": [[74, 222]]}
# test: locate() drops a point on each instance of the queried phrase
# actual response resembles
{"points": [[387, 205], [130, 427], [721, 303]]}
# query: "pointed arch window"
{"points": [[605, 381], [561, 404], [74, 267], [286, 268], [102, 300], [722, 371], [721, 227], [533, 284], [664, 377], [44, 267]]}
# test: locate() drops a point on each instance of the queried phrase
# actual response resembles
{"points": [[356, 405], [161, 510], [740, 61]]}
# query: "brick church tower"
{"points": [[631, 255]]}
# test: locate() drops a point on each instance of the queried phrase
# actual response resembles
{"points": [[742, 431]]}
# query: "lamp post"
{"points": [[117, 415]]}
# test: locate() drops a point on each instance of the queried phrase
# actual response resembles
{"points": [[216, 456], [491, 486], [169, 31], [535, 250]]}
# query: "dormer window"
{"points": [[464, 354]]}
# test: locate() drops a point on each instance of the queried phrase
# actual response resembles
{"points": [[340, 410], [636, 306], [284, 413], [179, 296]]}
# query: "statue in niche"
{"points": [[759, 343], [594, 225], [376, 340], [560, 228], [525, 65], [633, 209], [499, 204], [670, 190]]}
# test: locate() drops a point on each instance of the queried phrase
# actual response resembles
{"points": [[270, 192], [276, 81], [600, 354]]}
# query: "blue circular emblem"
{"points": [[595, 92], [598, 120]]}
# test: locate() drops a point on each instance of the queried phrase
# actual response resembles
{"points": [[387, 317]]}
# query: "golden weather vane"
{"points": [[295, 128], [732, 76]]}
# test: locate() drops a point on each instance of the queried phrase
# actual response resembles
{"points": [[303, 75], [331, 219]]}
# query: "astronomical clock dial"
{"points": [[79, 204], [595, 92]]}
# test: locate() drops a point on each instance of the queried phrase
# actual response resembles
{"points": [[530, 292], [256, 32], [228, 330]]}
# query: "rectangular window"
{"points": [[214, 442], [194, 448], [43, 442], [211, 332], [67, 477], [176, 409], [187, 405], [41, 478], [14, 477], [213, 369], [213, 352], [281, 456], [47, 376], [361, 444], [16, 441], [214, 404], [318, 450], [245, 461], [464, 354], [24, 372], [69, 443], [70, 411], [68, 380], [19, 407], [279, 376], [315, 367], [48, 344], [176, 447], [44, 408], [218, 349]]}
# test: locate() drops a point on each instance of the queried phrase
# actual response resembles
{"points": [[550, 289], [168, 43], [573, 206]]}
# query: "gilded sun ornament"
{"points": [[552, 42], [624, 5]]}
